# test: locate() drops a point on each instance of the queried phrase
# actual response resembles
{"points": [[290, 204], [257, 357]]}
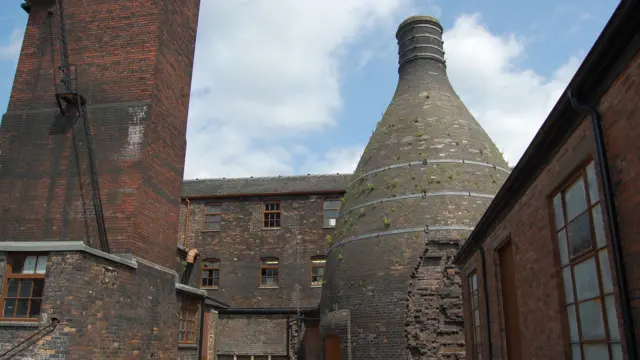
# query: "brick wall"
{"points": [[543, 325], [252, 335], [106, 311], [241, 243], [134, 65]]}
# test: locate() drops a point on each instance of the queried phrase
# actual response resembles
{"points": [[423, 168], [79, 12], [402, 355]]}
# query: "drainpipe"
{"points": [[186, 224], [485, 290], [201, 328], [614, 230]]}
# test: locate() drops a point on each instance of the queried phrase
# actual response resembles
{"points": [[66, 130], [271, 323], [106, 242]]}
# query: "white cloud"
{"points": [[335, 160], [11, 49], [266, 75], [509, 102]]}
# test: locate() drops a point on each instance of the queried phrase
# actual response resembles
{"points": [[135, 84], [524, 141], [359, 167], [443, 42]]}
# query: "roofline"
{"points": [[618, 42], [284, 193]]}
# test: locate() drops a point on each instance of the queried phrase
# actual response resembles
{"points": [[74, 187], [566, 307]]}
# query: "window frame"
{"points": [[208, 214], [311, 267], [476, 323], [8, 274], [203, 268], [572, 260], [263, 266], [324, 212], [187, 309], [265, 212]]}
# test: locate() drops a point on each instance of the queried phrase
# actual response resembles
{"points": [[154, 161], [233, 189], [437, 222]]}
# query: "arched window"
{"points": [[317, 269], [210, 273], [269, 274]]}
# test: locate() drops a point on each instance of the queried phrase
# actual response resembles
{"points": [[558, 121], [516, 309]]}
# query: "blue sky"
{"points": [[287, 87]]}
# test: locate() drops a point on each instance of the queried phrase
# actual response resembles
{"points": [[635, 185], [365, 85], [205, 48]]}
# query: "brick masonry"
{"points": [[134, 67], [106, 311], [239, 245], [540, 296], [378, 286]]}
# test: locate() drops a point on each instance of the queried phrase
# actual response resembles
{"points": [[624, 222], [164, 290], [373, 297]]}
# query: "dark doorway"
{"points": [[510, 302], [332, 348]]}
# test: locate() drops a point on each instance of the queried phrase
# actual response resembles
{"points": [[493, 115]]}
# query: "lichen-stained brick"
{"points": [[426, 176], [134, 64]]}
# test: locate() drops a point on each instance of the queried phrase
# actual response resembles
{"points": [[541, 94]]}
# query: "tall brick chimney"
{"points": [[134, 62], [425, 178]]}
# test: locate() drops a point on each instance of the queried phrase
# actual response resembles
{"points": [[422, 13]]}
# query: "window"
{"points": [[330, 214], [476, 342], [187, 330], [317, 270], [212, 217], [271, 215], [588, 287], [210, 273], [269, 276], [22, 295]]}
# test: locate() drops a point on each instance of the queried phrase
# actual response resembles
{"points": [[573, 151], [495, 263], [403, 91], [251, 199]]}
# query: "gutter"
{"points": [[614, 229]]}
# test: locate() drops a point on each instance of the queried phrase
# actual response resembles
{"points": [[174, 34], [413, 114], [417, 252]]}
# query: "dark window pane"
{"points": [[575, 199], [25, 288], [22, 308], [318, 271], [34, 311], [598, 225], [579, 233], [332, 204], [214, 218], [38, 287], [557, 210], [12, 288], [9, 307], [213, 209], [331, 213], [562, 244], [213, 226]]}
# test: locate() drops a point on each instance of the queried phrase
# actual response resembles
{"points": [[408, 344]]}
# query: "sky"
{"points": [[287, 87]]}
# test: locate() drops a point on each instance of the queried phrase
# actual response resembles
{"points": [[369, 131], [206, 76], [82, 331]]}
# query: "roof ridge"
{"points": [[265, 177]]}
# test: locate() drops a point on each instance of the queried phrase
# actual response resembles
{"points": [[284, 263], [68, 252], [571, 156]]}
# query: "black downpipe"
{"points": [[485, 289], [201, 328], [614, 230]]}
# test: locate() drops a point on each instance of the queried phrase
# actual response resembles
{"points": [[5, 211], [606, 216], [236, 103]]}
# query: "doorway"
{"points": [[510, 310], [332, 347]]}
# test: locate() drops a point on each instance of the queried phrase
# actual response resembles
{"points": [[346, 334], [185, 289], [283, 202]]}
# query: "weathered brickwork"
{"points": [[134, 67], [425, 178], [106, 311], [252, 335], [241, 242], [529, 226]]}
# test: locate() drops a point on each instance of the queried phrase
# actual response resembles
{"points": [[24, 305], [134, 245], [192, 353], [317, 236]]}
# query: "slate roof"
{"points": [[265, 185]]}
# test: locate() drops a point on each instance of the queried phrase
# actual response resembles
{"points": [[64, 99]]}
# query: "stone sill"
{"points": [[272, 229], [187, 346], [315, 286], [211, 231], [33, 324], [268, 287]]}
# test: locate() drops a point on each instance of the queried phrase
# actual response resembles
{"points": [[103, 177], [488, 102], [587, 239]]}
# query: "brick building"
{"points": [[426, 176], [81, 294], [552, 270], [262, 245]]}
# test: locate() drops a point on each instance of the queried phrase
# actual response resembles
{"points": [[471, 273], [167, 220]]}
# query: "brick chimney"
{"points": [[134, 63]]}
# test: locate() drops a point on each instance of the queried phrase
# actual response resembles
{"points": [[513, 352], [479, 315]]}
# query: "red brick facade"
{"points": [[134, 64], [543, 328]]}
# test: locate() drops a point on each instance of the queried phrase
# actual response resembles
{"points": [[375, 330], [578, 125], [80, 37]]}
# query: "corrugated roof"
{"points": [[265, 185]]}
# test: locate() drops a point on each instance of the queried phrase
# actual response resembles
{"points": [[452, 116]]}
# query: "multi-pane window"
{"points": [[271, 215], [476, 343], [588, 286], [212, 217], [187, 329], [22, 295], [269, 276], [330, 214], [210, 273], [317, 270]]}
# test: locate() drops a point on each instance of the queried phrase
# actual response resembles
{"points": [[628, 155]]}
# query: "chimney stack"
{"points": [[424, 180]]}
